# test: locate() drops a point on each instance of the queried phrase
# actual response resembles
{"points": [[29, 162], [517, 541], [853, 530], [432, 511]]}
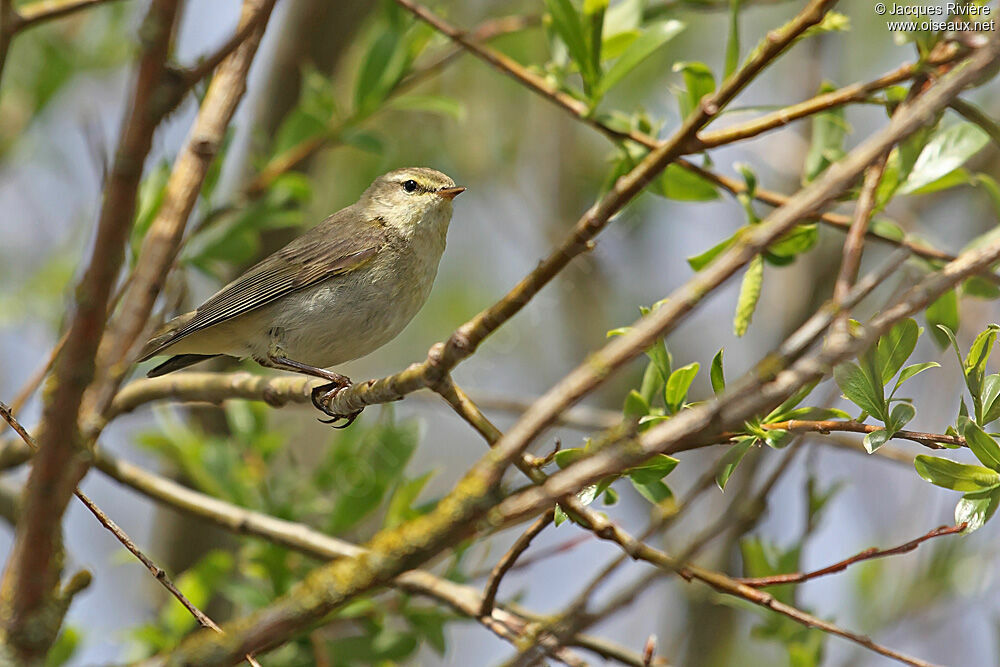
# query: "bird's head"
{"points": [[411, 198]]}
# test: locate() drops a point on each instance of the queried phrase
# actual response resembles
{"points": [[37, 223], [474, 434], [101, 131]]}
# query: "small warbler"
{"points": [[341, 290]]}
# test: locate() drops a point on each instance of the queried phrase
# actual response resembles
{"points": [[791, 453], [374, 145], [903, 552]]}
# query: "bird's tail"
{"points": [[177, 362]]}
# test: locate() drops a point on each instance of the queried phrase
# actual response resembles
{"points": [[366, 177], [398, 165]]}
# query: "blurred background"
{"points": [[531, 170]]}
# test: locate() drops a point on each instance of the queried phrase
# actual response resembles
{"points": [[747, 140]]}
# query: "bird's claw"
{"points": [[321, 398]]}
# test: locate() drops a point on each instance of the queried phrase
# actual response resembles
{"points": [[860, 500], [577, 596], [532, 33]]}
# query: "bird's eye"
{"points": [[410, 186]]}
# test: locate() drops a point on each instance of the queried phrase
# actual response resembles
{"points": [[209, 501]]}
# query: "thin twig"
{"points": [[505, 564], [854, 242], [931, 440], [207, 64], [976, 115], [840, 566]]}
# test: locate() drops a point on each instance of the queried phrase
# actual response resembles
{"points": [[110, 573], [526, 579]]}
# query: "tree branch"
{"points": [[160, 245], [41, 11], [840, 566], [32, 572], [504, 565], [854, 243]]}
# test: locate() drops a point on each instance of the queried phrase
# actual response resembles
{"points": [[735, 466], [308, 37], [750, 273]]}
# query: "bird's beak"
{"points": [[451, 193]]}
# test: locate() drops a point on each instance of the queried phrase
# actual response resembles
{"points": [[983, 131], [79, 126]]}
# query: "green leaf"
{"points": [[979, 353], [829, 130], [677, 386], [437, 104], [895, 347], [699, 81], [560, 516], [383, 65], [989, 395], [975, 509], [887, 229], [813, 413], [699, 262], [367, 468], [682, 185], [955, 476], [429, 623], [653, 470], [635, 405], [950, 335], [587, 494], [913, 370], [875, 439], [651, 39], [568, 24], [797, 240], [565, 457], [750, 289], [981, 288], [857, 386], [950, 180], [716, 374], [400, 509], [982, 445], [731, 459], [947, 150], [655, 492], [993, 190], [786, 410], [944, 311], [733, 42], [901, 415], [64, 647]]}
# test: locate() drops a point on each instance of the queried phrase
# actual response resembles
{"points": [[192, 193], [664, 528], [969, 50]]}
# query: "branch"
{"points": [[160, 245], [32, 572], [854, 243], [930, 440], [974, 114], [867, 554], [504, 565], [41, 11], [192, 75], [943, 54]]}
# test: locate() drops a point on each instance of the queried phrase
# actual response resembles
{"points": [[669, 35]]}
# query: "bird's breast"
{"points": [[349, 316]]}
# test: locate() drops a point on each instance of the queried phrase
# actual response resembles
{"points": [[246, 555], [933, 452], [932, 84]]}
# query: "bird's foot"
{"points": [[324, 394]]}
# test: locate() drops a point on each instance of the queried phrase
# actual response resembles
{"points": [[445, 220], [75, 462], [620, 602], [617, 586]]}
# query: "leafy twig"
{"points": [[840, 566]]}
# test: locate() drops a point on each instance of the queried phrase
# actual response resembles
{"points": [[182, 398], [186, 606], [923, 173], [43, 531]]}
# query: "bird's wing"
{"points": [[336, 246]]}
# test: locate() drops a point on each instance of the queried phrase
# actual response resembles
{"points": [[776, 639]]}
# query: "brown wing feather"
{"points": [[336, 246]]}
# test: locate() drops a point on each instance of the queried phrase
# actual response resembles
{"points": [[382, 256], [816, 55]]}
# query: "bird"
{"points": [[336, 293]]}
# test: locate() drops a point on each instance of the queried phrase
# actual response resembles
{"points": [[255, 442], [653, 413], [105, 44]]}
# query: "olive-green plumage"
{"points": [[341, 290]]}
